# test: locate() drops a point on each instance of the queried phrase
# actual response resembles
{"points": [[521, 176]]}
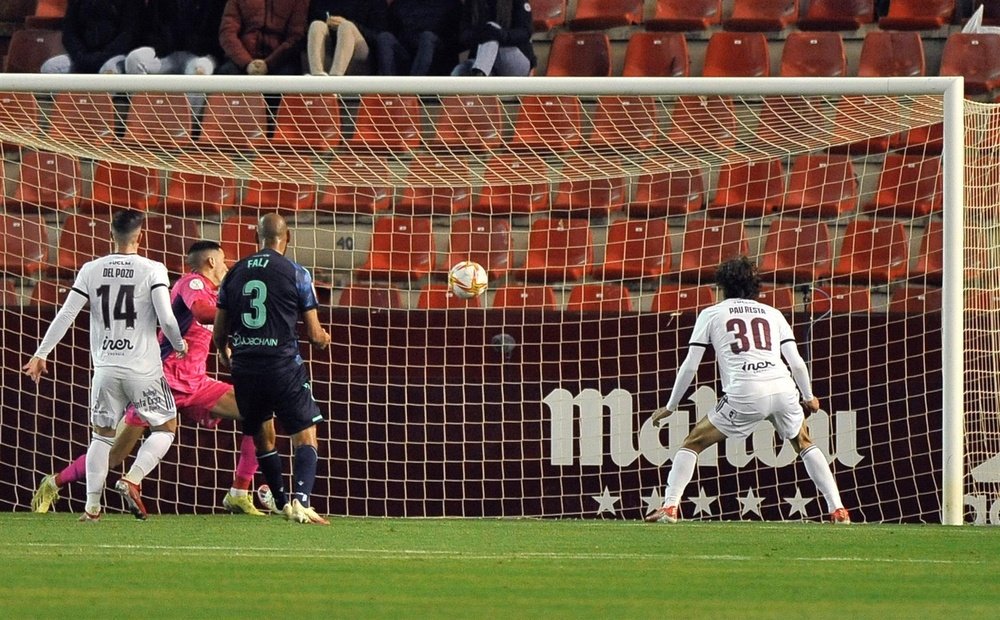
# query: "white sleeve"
{"points": [[800, 373], [685, 374], [75, 301], [160, 296]]}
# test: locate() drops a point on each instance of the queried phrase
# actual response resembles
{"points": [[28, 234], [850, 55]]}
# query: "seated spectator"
{"points": [[497, 34], [182, 36], [96, 34], [262, 37], [422, 38], [353, 25]]}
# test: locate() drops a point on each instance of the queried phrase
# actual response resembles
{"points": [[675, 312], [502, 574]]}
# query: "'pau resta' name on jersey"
{"points": [[263, 295], [747, 337], [122, 318]]}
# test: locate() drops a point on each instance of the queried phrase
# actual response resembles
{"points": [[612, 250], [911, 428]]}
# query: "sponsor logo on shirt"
{"points": [[757, 366], [117, 344]]}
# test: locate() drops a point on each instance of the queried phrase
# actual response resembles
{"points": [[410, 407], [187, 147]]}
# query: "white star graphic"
{"points": [[751, 503], [607, 501], [703, 502], [653, 500], [798, 503]]}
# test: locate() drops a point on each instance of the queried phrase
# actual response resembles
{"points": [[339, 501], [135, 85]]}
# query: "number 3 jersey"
{"points": [[747, 338], [122, 317]]}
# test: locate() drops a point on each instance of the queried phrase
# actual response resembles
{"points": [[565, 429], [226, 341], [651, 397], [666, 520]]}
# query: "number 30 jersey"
{"points": [[123, 320], [747, 337]]}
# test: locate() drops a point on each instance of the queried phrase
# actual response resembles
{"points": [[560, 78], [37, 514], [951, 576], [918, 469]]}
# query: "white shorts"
{"points": [[737, 418], [111, 392]]}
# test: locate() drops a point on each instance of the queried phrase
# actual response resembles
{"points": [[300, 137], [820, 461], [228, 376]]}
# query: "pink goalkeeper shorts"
{"points": [[195, 407]]}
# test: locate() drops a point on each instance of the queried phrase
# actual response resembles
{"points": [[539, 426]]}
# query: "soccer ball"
{"points": [[467, 279]]}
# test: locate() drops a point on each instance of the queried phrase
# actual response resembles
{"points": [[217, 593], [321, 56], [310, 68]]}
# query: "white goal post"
{"points": [[805, 120]]}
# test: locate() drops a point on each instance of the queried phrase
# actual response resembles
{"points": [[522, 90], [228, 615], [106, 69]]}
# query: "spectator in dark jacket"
{"points": [[352, 24], [497, 34], [422, 38], [263, 37], [97, 34], [182, 36]]}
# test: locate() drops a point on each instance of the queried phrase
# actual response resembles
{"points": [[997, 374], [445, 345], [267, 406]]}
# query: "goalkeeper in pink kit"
{"points": [[200, 399]]}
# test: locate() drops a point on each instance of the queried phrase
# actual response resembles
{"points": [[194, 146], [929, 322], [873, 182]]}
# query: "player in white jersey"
{"points": [[127, 294], [749, 339]]}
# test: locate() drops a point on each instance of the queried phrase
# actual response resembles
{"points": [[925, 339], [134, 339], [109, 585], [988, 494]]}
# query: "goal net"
{"points": [[600, 218]]}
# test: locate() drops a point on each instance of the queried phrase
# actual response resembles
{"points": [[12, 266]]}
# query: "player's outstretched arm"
{"points": [[319, 337], [37, 366]]}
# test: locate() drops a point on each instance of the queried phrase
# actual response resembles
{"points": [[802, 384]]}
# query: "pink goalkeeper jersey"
{"points": [[187, 374]]}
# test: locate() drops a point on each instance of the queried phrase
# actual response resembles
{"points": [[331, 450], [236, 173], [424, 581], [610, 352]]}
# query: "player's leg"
{"points": [[819, 471], [223, 406], [107, 402], [155, 404], [703, 435], [299, 415]]}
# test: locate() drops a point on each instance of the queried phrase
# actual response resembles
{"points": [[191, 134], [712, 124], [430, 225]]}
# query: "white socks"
{"points": [[680, 475], [149, 456], [819, 470], [97, 468]]}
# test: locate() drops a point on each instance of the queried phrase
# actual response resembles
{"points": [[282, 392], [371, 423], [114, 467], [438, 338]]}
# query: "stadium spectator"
{"points": [[421, 39], [260, 302], [97, 34], [749, 339], [351, 27], [497, 34], [261, 37], [200, 399], [180, 36], [130, 293]]}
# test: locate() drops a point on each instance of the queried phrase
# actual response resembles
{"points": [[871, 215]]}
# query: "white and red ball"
{"points": [[467, 279]]}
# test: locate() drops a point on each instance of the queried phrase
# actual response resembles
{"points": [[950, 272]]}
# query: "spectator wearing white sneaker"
{"points": [[749, 339], [180, 36], [497, 35], [342, 34], [97, 34]]}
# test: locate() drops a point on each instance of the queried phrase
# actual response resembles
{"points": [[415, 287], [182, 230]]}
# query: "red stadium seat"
{"points": [[48, 14], [708, 242], [24, 249], [8, 294], [307, 121], [591, 187], [873, 252], [737, 54], [637, 249], [909, 186], [199, 195], [685, 15], [436, 185], [469, 122], [821, 186], [678, 298], [49, 293], [402, 248], [930, 257], [387, 123], [579, 54], [234, 123], [837, 15], [762, 15], [47, 181], [888, 53], [782, 298], [839, 299], [514, 184], [164, 120], [751, 189], [601, 14], [976, 57], [793, 122], [626, 121], [484, 240], [166, 238], [118, 186], [915, 300], [548, 123], [657, 54], [813, 54], [83, 118], [533, 297], [352, 187], [610, 298], [703, 122], [853, 120], [238, 237], [370, 296], [83, 238], [559, 250], [668, 193], [263, 193], [29, 48], [19, 112], [917, 14], [797, 251], [547, 14], [441, 297]]}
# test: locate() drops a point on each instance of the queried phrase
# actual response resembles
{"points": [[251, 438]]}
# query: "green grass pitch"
{"points": [[223, 566]]}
